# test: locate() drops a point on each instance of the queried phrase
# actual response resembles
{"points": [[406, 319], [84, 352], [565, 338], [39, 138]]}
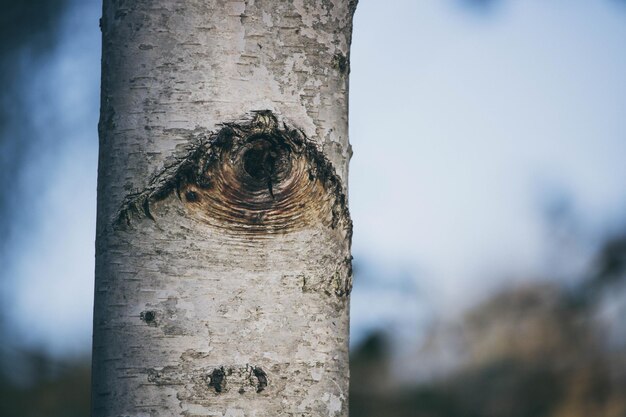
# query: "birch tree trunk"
{"points": [[223, 265]]}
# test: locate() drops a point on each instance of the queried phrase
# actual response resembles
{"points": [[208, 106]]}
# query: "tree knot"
{"points": [[253, 178]]}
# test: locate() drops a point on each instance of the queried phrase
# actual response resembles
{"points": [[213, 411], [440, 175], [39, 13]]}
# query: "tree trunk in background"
{"points": [[223, 265]]}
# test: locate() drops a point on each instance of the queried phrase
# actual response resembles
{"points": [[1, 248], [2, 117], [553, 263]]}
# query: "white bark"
{"points": [[223, 238]]}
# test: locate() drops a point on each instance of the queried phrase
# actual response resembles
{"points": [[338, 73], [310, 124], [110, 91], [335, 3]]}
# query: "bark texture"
{"points": [[223, 265]]}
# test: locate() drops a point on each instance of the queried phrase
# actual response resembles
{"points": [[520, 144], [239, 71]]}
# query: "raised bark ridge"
{"points": [[253, 178]]}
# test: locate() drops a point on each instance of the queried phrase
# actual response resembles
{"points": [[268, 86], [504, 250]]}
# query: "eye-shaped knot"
{"points": [[263, 183], [256, 179]]}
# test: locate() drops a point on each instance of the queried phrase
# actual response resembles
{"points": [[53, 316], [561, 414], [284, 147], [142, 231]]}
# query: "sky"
{"points": [[489, 149]]}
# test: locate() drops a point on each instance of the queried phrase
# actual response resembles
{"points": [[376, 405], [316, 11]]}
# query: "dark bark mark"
{"points": [[217, 379], [261, 377], [168, 317], [192, 196], [341, 63], [149, 317], [253, 178]]}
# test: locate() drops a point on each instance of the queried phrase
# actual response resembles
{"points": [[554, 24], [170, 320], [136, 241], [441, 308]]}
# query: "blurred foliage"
{"points": [[35, 385], [539, 350]]}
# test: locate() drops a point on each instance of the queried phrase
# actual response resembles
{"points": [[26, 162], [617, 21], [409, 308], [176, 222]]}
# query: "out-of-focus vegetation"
{"points": [[533, 351], [35, 385]]}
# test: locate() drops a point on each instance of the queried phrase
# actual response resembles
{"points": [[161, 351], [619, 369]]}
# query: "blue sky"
{"points": [[489, 148], [469, 128]]}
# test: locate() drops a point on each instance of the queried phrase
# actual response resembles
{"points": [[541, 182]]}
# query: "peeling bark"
{"points": [[223, 266]]}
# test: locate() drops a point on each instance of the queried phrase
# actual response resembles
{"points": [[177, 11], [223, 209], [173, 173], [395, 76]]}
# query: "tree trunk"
{"points": [[223, 265]]}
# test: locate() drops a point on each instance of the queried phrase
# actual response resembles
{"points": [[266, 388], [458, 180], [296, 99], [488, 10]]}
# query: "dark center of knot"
{"points": [[260, 161], [266, 163]]}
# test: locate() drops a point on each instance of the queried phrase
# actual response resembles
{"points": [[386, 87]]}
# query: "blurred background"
{"points": [[487, 189]]}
